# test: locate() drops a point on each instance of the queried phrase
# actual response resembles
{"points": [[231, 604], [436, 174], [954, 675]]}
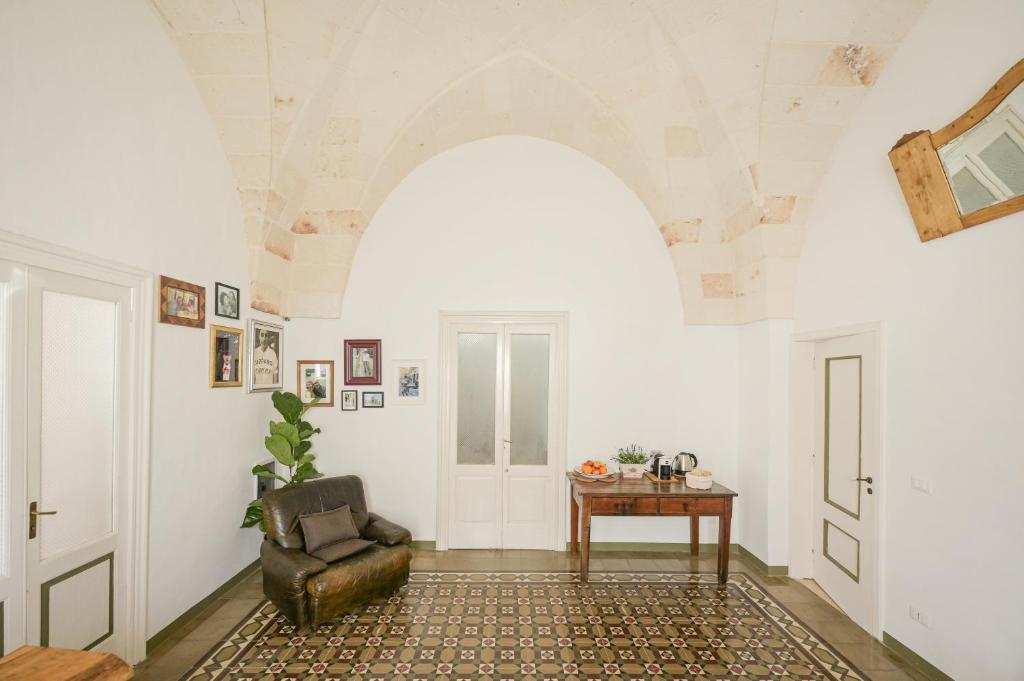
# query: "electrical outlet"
{"points": [[921, 485], [918, 616]]}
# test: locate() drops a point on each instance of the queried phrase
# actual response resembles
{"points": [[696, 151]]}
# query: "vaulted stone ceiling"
{"points": [[721, 115]]}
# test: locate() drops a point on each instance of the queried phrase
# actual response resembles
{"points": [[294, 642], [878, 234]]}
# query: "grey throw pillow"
{"points": [[328, 527], [342, 549]]}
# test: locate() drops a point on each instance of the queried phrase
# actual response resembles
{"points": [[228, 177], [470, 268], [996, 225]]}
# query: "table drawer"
{"points": [[685, 506], [624, 506]]}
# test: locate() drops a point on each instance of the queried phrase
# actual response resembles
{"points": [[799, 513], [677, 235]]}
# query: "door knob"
{"points": [[32, 515], [867, 480]]}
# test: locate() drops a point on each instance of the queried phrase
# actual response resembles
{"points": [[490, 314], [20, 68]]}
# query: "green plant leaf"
{"points": [[288, 405], [253, 514], [304, 459], [306, 471], [263, 471], [286, 430], [280, 448], [306, 430], [303, 447]]}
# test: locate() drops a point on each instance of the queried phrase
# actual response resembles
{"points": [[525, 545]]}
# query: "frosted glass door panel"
{"points": [[77, 384], [529, 399], [476, 398]]}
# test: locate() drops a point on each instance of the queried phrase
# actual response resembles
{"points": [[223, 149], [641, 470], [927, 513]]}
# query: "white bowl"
{"points": [[580, 473], [699, 481]]}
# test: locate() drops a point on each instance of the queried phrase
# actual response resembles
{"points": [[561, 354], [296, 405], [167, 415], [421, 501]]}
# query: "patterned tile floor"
{"points": [[178, 655]]}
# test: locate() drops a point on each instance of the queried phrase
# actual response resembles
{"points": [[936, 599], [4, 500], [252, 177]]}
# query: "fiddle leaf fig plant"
{"points": [[289, 443]]}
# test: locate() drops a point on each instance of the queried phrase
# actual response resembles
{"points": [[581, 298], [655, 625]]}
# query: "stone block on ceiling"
{"points": [[244, 134], [796, 63], [188, 16], [777, 209], [234, 95], [798, 142], [331, 249], [251, 170], [305, 277], [681, 231], [717, 285], [341, 130], [784, 176], [681, 140], [224, 54]]}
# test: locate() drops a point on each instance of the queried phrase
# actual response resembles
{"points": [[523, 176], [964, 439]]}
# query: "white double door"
{"points": [[847, 474], [505, 390], [63, 343]]}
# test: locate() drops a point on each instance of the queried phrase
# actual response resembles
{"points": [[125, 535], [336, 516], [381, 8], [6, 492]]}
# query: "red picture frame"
{"points": [[362, 362]]}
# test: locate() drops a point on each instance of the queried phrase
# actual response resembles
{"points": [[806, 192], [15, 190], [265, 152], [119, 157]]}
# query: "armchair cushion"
{"points": [[342, 549], [327, 527]]}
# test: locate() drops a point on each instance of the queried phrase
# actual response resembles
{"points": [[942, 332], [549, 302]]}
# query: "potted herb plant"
{"points": [[289, 442], [632, 461]]}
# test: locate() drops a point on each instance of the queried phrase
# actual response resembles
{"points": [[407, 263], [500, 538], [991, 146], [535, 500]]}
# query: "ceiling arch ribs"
{"points": [[720, 114]]}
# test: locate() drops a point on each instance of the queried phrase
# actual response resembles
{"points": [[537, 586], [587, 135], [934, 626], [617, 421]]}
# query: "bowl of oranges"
{"points": [[593, 469]]}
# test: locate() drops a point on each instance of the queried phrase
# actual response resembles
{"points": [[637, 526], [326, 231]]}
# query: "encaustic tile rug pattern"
{"points": [[534, 627]]}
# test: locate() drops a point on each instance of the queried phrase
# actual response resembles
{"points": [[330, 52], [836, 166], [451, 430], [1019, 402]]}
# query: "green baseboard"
{"points": [[677, 548], [185, 617], [914, 660], [769, 570]]}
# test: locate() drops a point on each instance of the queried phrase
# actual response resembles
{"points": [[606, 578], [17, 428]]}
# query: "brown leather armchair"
{"points": [[306, 589]]}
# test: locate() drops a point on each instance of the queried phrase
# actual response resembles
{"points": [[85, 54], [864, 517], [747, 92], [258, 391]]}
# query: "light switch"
{"points": [[921, 485]]}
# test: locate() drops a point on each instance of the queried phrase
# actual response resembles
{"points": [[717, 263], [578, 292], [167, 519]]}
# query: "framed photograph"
{"points": [[315, 378], [408, 379], [226, 300], [226, 349], [362, 362], [349, 400], [264, 485], [182, 303], [266, 348], [373, 400]]}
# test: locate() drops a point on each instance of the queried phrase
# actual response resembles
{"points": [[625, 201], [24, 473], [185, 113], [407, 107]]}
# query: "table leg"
{"points": [[694, 535], [585, 542], [574, 518], [724, 531]]}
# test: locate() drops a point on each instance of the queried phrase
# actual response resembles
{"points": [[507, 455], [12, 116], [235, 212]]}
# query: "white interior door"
{"points": [[847, 474], [77, 431], [505, 434], [12, 457], [530, 476]]}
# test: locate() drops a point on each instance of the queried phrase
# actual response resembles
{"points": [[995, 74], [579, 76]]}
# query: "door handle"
{"points": [[867, 480], [33, 513]]}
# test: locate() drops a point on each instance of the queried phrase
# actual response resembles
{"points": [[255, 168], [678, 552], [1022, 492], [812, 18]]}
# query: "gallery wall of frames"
{"points": [[253, 357]]}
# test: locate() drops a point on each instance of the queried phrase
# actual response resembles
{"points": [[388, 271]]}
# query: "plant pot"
{"points": [[632, 471]]}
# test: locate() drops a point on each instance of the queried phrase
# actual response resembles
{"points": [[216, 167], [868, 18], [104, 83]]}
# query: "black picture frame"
{"points": [[226, 310], [355, 400], [367, 393]]}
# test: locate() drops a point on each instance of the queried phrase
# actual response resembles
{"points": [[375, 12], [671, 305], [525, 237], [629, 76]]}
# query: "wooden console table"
{"points": [[57, 664], [644, 497]]}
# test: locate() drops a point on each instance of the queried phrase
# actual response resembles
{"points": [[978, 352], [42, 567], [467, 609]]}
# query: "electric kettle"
{"points": [[684, 463]]}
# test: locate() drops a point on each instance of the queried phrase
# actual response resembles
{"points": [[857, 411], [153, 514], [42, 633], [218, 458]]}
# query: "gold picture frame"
{"points": [[227, 357]]}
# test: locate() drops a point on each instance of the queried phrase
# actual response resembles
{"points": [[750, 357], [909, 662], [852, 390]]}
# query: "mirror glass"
{"points": [[985, 165]]}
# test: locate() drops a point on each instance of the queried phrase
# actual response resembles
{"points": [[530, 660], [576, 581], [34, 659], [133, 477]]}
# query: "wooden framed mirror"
{"points": [[970, 171]]}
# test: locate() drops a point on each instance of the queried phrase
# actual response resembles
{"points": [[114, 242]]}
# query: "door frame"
{"points": [[135, 518], [447, 322], [801, 448]]}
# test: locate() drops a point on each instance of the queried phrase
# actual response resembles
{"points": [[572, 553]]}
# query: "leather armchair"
{"points": [[306, 589]]}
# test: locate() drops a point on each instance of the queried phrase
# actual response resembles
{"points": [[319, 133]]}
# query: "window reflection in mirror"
{"points": [[985, 165]]}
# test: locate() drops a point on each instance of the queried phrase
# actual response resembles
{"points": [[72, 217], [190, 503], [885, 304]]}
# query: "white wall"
{"points": [[763, 437], [515, 223], [955, 323], [106, 148]]}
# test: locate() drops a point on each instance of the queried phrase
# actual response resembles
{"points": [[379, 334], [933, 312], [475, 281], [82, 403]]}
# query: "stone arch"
{"points": [[518, 94]]}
